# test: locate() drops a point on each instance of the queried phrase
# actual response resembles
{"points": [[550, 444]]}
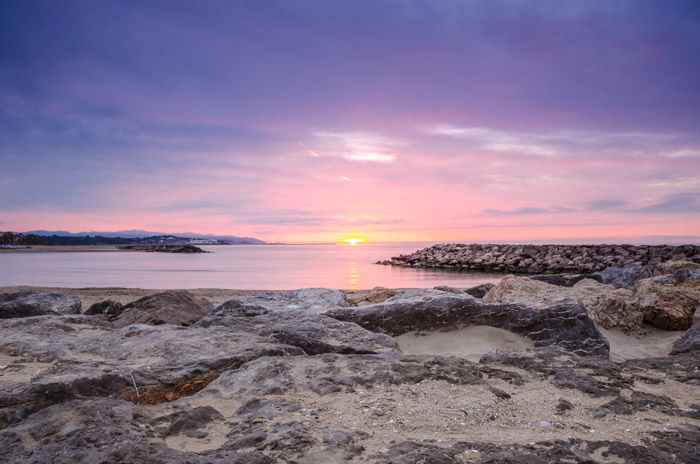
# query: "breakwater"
{"points": [[541, 258]]}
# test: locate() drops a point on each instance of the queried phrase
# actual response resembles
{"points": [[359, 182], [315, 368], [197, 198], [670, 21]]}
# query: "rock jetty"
{"points": [[542, 258]]}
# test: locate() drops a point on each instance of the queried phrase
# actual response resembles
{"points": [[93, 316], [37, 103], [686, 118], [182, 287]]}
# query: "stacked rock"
{"points": [[542, 258]]}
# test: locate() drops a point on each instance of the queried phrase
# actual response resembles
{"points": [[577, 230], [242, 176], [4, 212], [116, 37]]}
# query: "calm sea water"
{"points": [[254, 267]]}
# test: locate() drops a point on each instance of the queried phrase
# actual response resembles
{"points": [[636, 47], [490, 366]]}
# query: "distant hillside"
{"points": [[133, 234]]}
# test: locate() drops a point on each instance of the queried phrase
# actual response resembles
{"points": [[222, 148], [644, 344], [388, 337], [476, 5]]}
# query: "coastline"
{"points": [[64, 249]]}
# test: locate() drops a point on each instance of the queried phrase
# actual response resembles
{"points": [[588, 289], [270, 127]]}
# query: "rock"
{"points": [[376, 295], [313, 333], [479, 291], [564, 323], [668, 307], [109, 308], [104, 430], [565, 280], [447, 288], [308, 299], [690, 342], [31, 303], [90, 358], [669, 267], [608, 307], [625, 277], [538, 259], [178, 307], [678, 276]]}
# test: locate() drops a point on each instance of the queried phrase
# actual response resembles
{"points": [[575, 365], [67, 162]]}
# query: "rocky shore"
{"points": [[522, 371], [541, 258]]}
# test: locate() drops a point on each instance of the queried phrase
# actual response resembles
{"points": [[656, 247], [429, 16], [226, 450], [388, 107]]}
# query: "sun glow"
{"points": [[354, 240]]}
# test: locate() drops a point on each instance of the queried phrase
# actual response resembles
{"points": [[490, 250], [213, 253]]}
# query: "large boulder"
{"points": [[627, 276], [31, 303], [689, 342], [309, 299], [178, 307], [668, 307], [84, 356], [314, 333], [565, 323], [607, 306]]}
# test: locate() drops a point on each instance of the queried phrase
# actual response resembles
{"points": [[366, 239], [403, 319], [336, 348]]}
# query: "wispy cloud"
{"points": [[528, 210], [567, 143], [687, 202], [357, 146]]}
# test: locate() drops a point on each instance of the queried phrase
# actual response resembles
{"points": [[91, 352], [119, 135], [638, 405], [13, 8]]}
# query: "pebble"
{"points": [[544, 424]]}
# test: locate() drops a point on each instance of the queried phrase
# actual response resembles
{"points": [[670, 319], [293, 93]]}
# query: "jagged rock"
{"points": [[626, 277], [309, 299], [171, 307], [564, 323], [314, 333], [376, 295], [30, 303], [607, 306], [109, 308], [689, 342], [668, 307], [479, 291], [88, 357], [101, 431], [565, 280]]}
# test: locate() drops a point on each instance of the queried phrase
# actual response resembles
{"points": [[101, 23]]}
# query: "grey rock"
{"points": [[31, 303], [625, 277], [102, 431], [479, 291], [109, 308], [309, 299], [565, 280], [313, 333], [90, 358], [171, 307], [608, 307], [565, 323], [690, 342]]}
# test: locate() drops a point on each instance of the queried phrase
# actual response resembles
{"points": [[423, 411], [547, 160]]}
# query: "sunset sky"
{"points": [[388, 120]]}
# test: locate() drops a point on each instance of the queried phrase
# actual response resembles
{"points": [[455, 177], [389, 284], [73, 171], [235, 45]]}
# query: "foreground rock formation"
{"points": [[269, 379], [542, 258], [667, 301], [565, 324]]}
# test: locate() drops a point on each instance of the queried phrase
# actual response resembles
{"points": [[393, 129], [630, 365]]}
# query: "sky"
{"points": [[304, 121]]}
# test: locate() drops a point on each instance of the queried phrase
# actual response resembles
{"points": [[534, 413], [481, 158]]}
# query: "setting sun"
{"points": [[354, 240]]}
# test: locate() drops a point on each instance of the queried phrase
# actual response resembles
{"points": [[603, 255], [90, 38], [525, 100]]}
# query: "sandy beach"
{"points": [[481, 385]]}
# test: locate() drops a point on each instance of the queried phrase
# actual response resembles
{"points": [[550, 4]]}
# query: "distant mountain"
{"points": [[144, 233]]}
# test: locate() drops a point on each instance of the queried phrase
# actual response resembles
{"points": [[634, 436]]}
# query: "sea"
{"points": [[245, 267]]}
